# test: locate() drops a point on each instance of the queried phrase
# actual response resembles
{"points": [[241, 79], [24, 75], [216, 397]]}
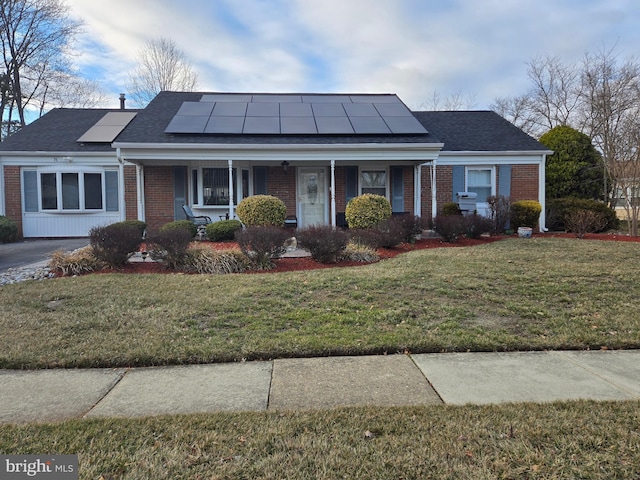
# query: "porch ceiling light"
{"points": [[285, 166]]}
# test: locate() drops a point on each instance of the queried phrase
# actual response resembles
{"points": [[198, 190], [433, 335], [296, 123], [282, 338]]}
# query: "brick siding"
{"points": [[13, 196]]}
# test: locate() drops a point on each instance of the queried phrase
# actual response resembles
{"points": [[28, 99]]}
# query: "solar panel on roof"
{"points": [[295, 114], [235, 109], [369, 125], [334, 125], [107, 128], [261, 125], [225, 125], [298, 125]]}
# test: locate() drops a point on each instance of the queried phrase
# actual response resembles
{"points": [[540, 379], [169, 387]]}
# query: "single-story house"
{"points": [[74, 169]]}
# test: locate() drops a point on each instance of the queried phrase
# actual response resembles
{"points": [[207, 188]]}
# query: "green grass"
{"points": [[542, 293], [585, 440]]}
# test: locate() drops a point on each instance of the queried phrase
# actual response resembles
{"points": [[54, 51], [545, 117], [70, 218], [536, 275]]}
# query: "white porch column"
{"points": [[230, 188], [417, 190], [140, 191], [541, 193], [434, 201], [333, 193]]}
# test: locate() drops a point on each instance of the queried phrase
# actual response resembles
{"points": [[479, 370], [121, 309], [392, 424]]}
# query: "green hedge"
{"points": [[8, 230], [525, 213], [223, 230], [185, 224], [367, 210], [557, 210], [262, 210]]}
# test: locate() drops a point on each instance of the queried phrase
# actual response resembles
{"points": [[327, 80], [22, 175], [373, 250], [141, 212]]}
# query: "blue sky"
{"points": [[478, 48]]}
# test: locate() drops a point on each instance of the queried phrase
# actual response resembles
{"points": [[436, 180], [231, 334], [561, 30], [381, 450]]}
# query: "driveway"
{"points": [[28, 252]]}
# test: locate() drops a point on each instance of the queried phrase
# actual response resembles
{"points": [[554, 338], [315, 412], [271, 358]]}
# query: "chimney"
{"points": [[122, 100]]}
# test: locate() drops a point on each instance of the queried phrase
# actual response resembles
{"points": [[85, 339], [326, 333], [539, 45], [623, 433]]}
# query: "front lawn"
{"points": [[516, 294], [568, 440]]}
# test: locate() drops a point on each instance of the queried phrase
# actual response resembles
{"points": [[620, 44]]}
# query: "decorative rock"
{"points": [[31, 272]]}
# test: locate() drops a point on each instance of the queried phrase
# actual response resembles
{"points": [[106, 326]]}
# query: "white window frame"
{"points": [[373, 168], [58, 172], [237, 186], [491, 169]]}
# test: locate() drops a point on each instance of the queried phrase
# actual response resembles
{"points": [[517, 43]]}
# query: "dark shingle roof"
{"points": [[58, 131], [477, 131], [150, 124]]}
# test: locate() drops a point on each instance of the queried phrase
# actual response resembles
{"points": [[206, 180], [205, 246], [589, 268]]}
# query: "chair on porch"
{"points": [[199, 220]]}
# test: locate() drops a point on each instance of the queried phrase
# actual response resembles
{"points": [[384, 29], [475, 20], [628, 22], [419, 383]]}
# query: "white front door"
{"points": [[312, 196]]}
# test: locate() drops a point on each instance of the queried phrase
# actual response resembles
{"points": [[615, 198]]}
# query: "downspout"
{"points": [[434, 200], [333, 193], [122, 198], [542, 194], [230, 188], [140, 191]]}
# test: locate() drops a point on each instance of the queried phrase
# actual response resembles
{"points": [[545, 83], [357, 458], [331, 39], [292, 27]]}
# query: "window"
{"points": [[480, 181], [374, 181], [215, 186], [49, 191]]}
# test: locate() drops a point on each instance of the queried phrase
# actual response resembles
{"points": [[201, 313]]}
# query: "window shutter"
{"points": [[397, 189], [458, 181], [504, 180], [111, 187], [30, 190], [351, 183], [260, 180]]}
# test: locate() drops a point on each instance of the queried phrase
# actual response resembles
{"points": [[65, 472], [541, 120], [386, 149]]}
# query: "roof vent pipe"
{"points": [[122, 100]]}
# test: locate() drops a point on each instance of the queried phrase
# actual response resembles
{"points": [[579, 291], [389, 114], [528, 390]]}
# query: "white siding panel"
{"points": [[64, 225]]}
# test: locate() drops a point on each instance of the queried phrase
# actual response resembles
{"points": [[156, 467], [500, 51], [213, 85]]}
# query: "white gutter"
{"points": [[333, 193], [140, 191], [281, 146], [121, 194], [542, 194]]}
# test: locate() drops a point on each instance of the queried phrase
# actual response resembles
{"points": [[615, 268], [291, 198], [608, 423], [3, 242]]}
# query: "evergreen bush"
{"points": [[558, 209], [139, 224], [525, 213], [8, 230], [181, 225], [366, 211], [262, 210], [223, 230], [451, 208]]}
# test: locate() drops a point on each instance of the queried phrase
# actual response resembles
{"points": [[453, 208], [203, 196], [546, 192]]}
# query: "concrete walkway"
{"points": [[320, 383]]}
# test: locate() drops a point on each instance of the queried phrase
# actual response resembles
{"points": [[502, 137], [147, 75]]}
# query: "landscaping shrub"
{"points": [[181, 224], [323, 241], [450, 227], [209, 261], [390, 232], [115, 243], [139, 224], [366, 211], [557, 210], [170, 246], [369, 237], [500, 208], [8, 230], [223, 230], [525, 213], [407, 226], [451, 208], [476, 225], [262, 244], [262, 210], [357, 252], [581, 222], [77, 262]]}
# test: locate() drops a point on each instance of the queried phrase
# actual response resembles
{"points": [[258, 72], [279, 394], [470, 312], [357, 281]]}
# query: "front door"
{"points": [[312, 196]]}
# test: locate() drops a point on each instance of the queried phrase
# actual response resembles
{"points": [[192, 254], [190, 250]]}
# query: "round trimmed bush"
{"points": [[223, 230], [184, 224], [367, 210], [262, 210], [451, 208], [8, 230], [525, 213], [139, 224]]}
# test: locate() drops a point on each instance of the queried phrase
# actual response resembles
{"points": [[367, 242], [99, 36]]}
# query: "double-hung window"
{"points": [[46, 190], [374, 181], [480, 181]]}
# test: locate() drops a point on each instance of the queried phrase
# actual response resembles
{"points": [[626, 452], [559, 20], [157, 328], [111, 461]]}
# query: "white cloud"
{"points": [[411, 47]]}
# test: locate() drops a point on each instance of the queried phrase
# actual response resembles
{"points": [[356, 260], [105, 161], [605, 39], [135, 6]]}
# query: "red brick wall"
{"points": [[12, 196], [407, 179], [444, 188], [283, 186], [524, 182], [341, 190], [130, 193], [158, 190]]}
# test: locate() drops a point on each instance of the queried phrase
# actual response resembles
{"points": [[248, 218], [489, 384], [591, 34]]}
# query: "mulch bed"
{"points": [[307, 263]]}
